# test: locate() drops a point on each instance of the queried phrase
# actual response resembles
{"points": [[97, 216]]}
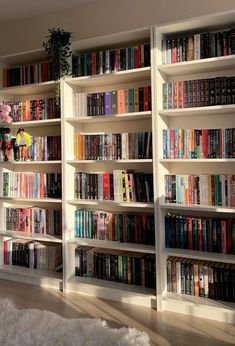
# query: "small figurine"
{"points": [[4, 113], [23, 142], [7, 144]]}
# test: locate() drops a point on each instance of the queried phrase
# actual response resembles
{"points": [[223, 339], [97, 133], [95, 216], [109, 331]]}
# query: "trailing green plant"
{"points": [[58, 50]]}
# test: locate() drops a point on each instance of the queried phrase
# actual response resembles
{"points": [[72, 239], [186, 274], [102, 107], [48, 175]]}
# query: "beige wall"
{"points": [[103, 17]]}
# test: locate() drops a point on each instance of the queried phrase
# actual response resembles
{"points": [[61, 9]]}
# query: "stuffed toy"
{"points": [[4, 113], [22, 142], [7, 144]]}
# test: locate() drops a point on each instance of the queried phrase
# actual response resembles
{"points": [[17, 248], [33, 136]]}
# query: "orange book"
{"points": [[75, 146], [196, 279], [120, 101]]}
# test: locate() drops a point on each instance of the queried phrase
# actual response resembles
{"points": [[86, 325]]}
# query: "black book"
{"points": [[232, 40], [212, 91], [146, 54], [141, 99], [218, 91], [218, 38]]}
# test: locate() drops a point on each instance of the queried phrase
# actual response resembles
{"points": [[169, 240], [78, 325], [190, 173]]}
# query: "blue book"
{"points": [[107, 103]]}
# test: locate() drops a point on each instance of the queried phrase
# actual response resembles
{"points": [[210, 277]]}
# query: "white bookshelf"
{"points": [[36, 128], [115, 123], [219, 116]]}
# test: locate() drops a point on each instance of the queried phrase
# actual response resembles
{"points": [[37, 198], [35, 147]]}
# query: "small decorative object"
{"points": [[4, 113], [22, 142], [6, 144]]}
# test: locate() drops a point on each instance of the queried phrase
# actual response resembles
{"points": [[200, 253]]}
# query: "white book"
{"points": [[197, 47]]}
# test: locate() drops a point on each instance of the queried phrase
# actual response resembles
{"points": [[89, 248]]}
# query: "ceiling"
{"points": [[20, 9]]}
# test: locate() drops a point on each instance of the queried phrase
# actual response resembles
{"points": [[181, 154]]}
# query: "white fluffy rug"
{"points": [[44, 328]]}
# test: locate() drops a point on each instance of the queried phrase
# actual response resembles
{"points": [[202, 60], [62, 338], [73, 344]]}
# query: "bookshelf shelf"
{"points": [[99, 203], [215, 209], [29, 89], [202, 255], [198, 66], [197, 160], [199, 111], [33, 200], [199, 307], [112, 78], [30, 162], [31, 236], [113, 290], [111, 161], [36, 123], [106, 244], [110, 118], [32, 276]]}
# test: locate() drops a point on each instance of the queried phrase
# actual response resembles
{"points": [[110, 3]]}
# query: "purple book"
{"points": [[107, 103]]}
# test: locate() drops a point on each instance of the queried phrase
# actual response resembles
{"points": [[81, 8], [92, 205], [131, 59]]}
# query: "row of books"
{"points": [[200, 233], [199, 92], [198, 46], [29, 184], [32, 254], [113, 146], [111, 60], [201, 278], [28, 74], [121, 227], [119, 186], [45, 148], [129, 268], [113, 102], [39, 109], [202, 189], [33, 220], [198, 143]]}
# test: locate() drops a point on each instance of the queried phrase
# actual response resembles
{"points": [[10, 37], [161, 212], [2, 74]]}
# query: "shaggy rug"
{"points": [[44, 328]]}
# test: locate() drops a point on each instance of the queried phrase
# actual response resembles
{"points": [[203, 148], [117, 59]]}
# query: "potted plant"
{"points": [[58, 50]]}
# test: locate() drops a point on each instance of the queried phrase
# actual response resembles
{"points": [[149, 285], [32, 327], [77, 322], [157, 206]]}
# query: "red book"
{"points": [[175, 94], [4, 252], [229, 235], [137, 54], [223, 236], [44, 72], [204, 144], [146, 108], [199, 234], [106, 186], [190, 232], [180, 95]]}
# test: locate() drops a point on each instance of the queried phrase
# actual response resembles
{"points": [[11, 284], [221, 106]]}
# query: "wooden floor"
{"points": [[164, 329]]}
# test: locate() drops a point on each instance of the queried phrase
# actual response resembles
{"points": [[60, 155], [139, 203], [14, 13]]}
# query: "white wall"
{"points": [[103, 17]]}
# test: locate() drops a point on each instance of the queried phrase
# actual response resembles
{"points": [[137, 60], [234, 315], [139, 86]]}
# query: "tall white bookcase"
{"points": [[116, 123], [47, 127], [221, 116], [155, 120]]}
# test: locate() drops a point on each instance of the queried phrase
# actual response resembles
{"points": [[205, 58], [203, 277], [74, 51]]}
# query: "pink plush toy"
{"points": [[4, 113]]}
